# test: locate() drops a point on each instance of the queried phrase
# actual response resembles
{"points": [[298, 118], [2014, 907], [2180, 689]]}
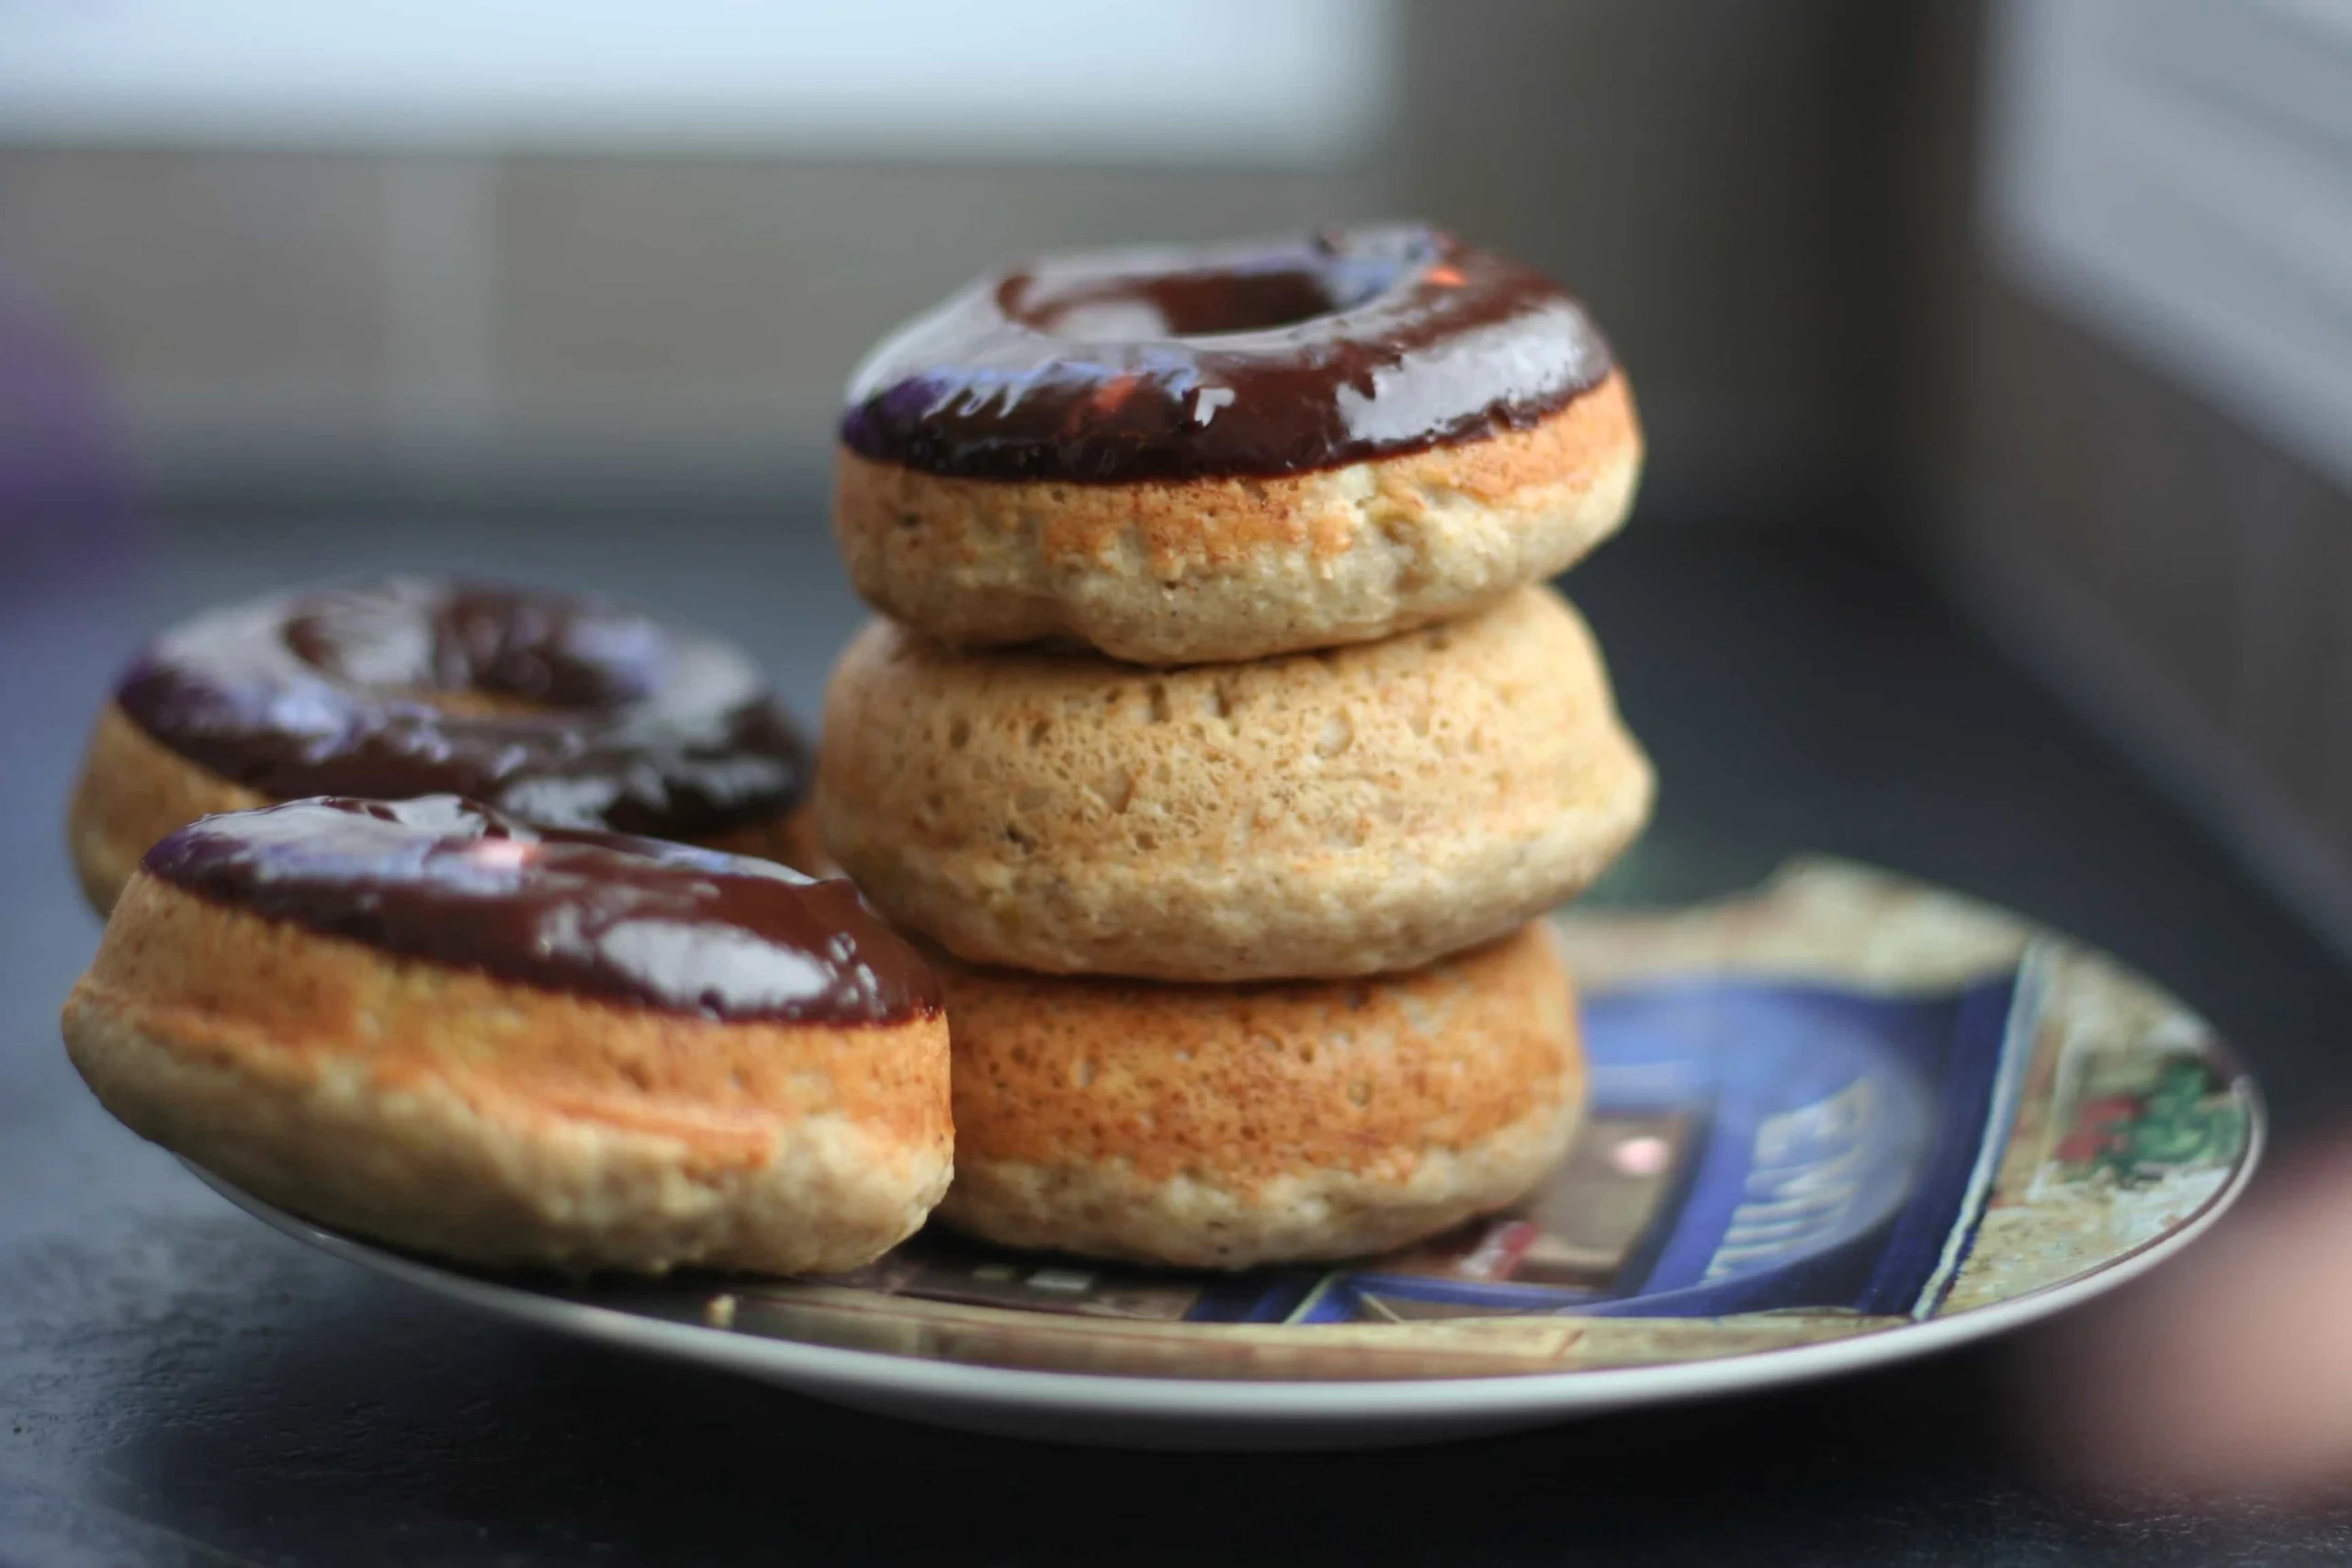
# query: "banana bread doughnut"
{"points": [[1314, 816], [568, 712], [1234, 451], [1227, 1127], [429, 1023]]}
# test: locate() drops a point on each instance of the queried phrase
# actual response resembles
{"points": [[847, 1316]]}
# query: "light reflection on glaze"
{"points": [[1249, 359], [629, 726], [594, 914]]}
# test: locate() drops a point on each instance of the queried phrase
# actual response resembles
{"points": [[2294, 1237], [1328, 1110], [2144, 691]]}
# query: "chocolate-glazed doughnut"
{"points": [[433, 1023], [1181, 456], [1251, 359], [565, 711], [642, 920]]}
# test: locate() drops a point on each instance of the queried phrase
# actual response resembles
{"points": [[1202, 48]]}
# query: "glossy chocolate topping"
{"points": [[598, 718], [587, 913], [1269, 358]]}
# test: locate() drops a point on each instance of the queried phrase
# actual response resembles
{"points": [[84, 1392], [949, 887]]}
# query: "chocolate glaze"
{"points": [[1252, 359], [586, 913], [623, 724]]}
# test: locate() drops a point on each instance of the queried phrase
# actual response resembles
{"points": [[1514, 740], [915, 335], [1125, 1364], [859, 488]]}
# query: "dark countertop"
{"points": [[178, 1384]]}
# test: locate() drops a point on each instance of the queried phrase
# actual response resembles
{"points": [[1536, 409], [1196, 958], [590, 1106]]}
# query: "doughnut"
{"points": [[569, 712], [1218, 454], [430, 1023], [1312, 816], [1225, 1126]]}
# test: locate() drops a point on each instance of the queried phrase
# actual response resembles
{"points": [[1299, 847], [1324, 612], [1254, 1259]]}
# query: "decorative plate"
{"points": [[1844, 1120]]}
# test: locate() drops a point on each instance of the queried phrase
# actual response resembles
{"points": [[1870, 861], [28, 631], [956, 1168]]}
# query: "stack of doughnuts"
{"points": [[1206, 773], [1219, 735]]}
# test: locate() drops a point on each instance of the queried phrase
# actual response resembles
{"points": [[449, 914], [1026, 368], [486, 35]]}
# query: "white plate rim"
{"points": [[869, 1374]]}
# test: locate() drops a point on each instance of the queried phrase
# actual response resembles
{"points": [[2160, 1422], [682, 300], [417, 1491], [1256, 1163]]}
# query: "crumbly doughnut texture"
{"points": [[1314, 815], [1223, 1127], [1184, 571], [134, 790], [448, 1113]]}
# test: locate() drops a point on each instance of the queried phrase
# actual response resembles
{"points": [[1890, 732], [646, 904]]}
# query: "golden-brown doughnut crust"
{"points": [[1183, 571], [133, 790], [1224, 1126], [1314, 815], [501, 1123]]}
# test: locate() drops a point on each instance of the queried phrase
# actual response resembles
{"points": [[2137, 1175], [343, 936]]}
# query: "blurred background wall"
{"points": [[675, 321], [1865, 275], [2126, 441]]}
